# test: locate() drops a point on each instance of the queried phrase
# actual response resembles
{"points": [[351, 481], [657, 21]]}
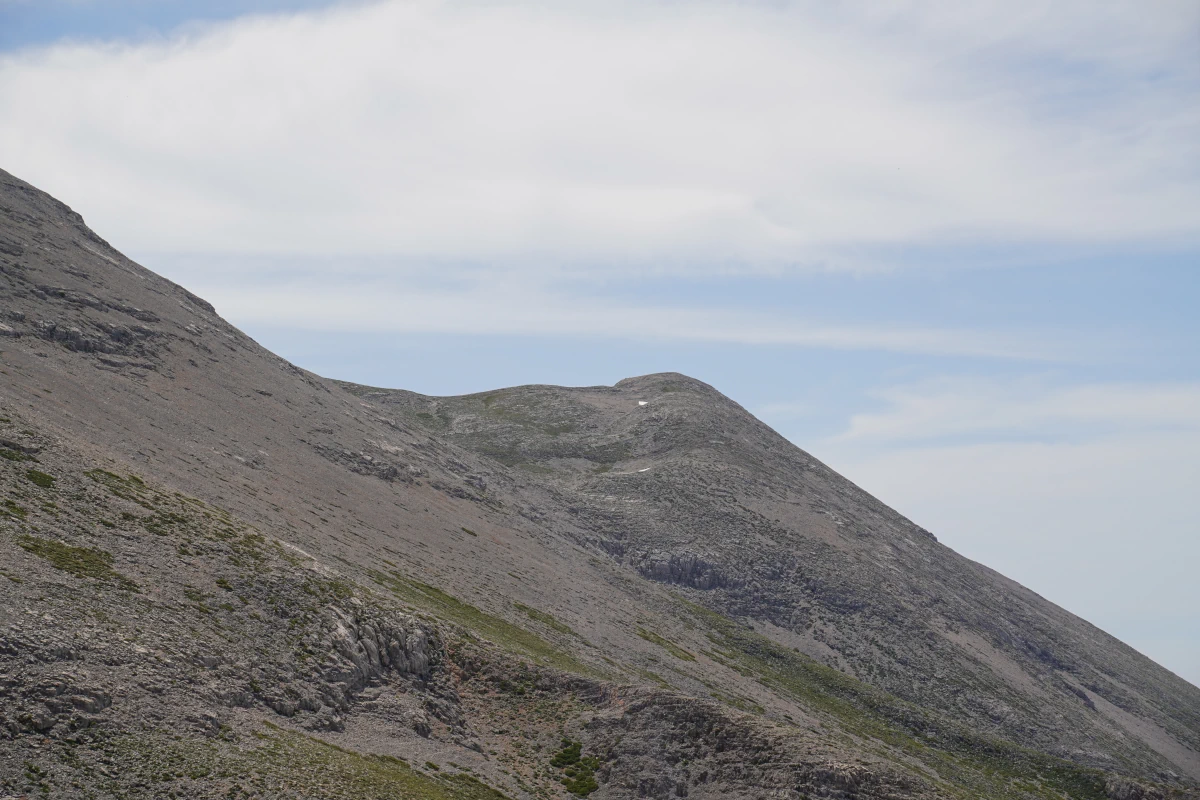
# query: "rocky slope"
{"points": [[223, 576], [678, 483]]}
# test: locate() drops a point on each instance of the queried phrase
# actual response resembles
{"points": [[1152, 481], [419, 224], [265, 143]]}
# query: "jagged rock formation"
{"points": [[223, 576]]}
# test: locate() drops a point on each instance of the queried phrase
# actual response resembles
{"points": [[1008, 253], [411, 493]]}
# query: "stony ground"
{"points": [[223, 576]]}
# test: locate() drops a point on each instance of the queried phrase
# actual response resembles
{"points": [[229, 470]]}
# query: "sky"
{"points": [[952, 250]]}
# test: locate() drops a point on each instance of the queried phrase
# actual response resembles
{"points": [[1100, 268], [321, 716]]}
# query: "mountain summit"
{"points": [[224, 576]]}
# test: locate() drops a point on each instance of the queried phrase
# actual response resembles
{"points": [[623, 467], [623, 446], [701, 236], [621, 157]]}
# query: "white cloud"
{"points": [[623, 134], [1102, 523], [505, 305], [981, 408]]}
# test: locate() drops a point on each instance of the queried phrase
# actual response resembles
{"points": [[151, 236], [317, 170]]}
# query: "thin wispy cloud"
{"points": [[491, 309], [985, 408]]}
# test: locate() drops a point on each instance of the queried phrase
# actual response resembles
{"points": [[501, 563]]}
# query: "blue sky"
{"points": [[29, 23], [954, 251]]}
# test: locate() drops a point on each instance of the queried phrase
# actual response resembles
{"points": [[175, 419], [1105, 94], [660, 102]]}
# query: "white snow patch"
{"points": [[647, 469], [641, 402]]}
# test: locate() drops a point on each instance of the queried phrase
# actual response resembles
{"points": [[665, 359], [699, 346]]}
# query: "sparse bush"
{"points": [[579, 771]]}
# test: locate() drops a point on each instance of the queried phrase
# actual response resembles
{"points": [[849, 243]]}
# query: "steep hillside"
{"points": [[223, 576], [679, 483]]}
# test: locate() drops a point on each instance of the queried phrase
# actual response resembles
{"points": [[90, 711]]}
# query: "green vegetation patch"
{"points": [[14, 455], [82, 562], [549, 620], [275, 763], [666, 644], [973, 764], [558, 430], [655, 678], [336, 772], [579, 771], [440, 422], [11, 508], [42, 479], [195, 523], [501, 632], [535, 468], [131, 488]]}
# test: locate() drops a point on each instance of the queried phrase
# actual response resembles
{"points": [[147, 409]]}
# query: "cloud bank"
{"points": [[753, 135]]}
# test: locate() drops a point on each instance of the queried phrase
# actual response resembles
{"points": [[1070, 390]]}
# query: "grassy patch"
{"points": [[193, 522], [740, 703], [546, 619], [11, 508], [82, 562], [42, 479], [501, 632], [14, 455], [276, 763], [655, 678], [666, 644], [440, 421], [131, 488], [976, 766], [535, 468]]}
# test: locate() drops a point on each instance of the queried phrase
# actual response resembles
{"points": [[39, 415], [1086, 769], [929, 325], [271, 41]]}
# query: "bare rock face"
{"points": [[224, 576]]}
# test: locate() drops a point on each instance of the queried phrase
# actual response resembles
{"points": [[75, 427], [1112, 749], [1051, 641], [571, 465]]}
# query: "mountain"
{"points": [[224, 576]]}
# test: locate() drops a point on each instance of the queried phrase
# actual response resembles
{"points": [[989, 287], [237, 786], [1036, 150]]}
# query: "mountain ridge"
{"points": [[471, 425], [711, 610]]}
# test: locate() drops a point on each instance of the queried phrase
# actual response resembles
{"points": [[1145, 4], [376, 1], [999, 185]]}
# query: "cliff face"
{"points": [[225, 576]]}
